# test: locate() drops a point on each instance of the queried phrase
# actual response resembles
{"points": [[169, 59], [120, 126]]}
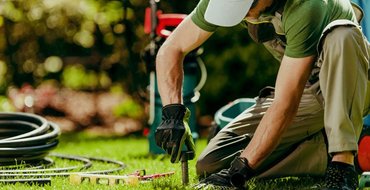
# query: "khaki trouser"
{"points": [[336, 103]]}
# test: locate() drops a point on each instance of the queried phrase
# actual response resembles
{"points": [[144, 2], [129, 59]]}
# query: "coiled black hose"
{"points": [[25, 137]]}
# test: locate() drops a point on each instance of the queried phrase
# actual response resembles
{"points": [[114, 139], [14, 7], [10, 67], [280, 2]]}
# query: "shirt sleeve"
{"points": [[197, 16], [303, 25]]}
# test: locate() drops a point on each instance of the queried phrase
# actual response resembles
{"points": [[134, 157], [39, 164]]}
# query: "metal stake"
{"points": [[185, 156]]}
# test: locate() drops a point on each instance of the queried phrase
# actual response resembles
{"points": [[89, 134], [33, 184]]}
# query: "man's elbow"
{"points": [[169, 50], [164, 49]]}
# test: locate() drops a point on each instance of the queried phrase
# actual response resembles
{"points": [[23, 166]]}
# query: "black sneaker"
{"points": [[216, 181], [340, 176]]}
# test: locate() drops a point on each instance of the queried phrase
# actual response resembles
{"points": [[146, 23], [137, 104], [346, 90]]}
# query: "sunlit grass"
{"points": [[133, 151]]}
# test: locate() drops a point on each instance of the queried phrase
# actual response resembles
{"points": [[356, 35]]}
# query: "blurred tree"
{"points": [[91, 44], [40, 38]]}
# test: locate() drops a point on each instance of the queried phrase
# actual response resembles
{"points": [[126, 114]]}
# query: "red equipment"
{"points": [[164, 21], [363, 156]]}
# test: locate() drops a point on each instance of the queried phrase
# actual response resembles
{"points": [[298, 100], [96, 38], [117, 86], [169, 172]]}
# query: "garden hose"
{"points": [[26, 137], [41, 167], [25, 142], [65, 172]]}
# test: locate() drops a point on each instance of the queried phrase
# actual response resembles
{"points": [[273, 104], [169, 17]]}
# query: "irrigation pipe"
{"points": [[27, 139]]}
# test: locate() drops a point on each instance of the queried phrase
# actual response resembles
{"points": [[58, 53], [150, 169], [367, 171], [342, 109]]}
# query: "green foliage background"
{"points": [[93, 44]]}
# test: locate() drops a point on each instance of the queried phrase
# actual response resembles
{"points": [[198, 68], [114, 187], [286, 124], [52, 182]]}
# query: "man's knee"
{"points": [[343, 45], [341, 37]]}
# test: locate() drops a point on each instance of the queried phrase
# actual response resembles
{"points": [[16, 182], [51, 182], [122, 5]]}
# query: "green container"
{"points": [[190, 82], [228, 112], [364, 180], [367, 121]]}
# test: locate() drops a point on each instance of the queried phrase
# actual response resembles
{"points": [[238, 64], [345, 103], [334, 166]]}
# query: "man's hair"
{"points": [[254, 3], [276, 5]]}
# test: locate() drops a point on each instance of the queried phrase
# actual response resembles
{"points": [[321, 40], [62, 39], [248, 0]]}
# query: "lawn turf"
{"points": [[133, 151]]}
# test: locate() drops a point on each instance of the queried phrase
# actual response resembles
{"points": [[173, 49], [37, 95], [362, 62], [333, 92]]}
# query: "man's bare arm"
{"points": [[292, 77], [186, 37]]}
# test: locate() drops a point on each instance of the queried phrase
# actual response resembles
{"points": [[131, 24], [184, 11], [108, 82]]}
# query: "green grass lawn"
{"points": [[133, 151]]}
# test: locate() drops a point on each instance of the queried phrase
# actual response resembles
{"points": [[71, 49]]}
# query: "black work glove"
{"points": [[174, 132], [232, 178]]}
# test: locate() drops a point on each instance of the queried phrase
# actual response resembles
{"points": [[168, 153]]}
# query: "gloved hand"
{"points": [[173, 132], [232, 178]]}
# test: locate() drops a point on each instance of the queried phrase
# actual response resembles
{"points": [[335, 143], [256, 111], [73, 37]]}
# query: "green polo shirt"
{"points": [[303, 22]]}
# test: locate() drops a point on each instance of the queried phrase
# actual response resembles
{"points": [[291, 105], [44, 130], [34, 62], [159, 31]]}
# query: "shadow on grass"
{"points": [[150, 156], [286, 183], [85, 137], [169, 184]]}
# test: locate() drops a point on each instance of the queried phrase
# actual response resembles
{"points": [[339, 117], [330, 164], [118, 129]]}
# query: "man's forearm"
{"points": [[292, 77], [268, 133], [169, 75], [185, 38]]}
